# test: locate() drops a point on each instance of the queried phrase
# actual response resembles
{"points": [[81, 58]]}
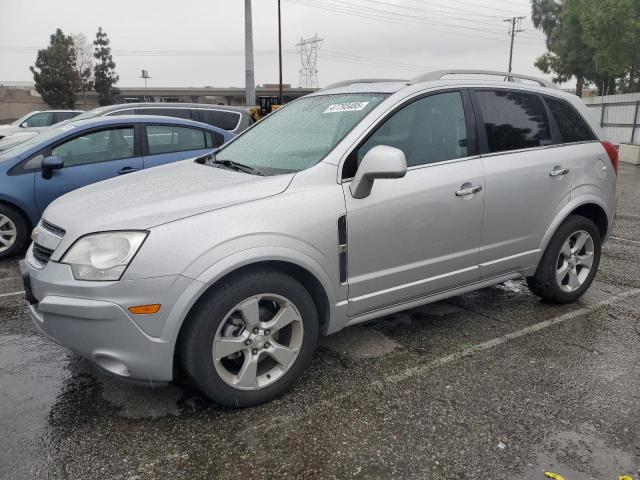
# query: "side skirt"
{"points": [[432, 298]]}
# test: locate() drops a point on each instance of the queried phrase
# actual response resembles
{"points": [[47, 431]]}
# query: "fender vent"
{"points": [[342, 248]]}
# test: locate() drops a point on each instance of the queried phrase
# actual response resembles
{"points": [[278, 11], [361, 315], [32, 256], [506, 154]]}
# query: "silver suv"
{"points": [[360, 200]]}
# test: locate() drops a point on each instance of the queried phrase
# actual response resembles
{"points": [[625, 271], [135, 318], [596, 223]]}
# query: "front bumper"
{"points": [[91, 318]]}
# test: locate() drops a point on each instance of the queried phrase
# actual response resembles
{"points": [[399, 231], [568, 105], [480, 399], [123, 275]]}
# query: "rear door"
{"points": [[164, 143], [528, 177], [89, 157]]}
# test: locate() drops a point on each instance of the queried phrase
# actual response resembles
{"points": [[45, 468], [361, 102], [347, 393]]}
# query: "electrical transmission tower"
{"points": [[514, 28], [308, 48]]}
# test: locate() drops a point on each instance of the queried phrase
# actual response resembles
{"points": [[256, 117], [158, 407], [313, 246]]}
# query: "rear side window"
{"points": [[168, 138], [61, 116], [167, 112], [219, 118], [513, 120], [572, 126]]}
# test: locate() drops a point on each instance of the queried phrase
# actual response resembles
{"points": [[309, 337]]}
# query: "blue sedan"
{"points": [[70, 156]]}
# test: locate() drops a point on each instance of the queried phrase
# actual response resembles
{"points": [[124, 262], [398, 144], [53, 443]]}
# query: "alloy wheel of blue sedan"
{"points": [[8, 233]]}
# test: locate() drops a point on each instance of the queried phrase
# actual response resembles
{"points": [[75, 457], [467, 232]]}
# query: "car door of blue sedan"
{"points": [[87, 158], [170, 143]]}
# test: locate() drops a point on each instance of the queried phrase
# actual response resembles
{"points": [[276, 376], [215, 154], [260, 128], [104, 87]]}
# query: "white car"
{"points": [[37, 121]]}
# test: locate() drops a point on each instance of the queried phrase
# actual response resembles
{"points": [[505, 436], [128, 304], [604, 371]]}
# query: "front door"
{"points": [[418, 235], [88, 158]]}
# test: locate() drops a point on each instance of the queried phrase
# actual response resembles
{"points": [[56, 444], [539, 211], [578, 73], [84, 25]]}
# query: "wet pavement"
{"points": [[493, 384]]}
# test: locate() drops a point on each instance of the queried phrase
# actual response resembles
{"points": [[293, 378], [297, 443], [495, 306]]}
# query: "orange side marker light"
{"points": [[145, 309]]}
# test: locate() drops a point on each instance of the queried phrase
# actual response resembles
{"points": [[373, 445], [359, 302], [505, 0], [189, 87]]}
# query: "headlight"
{"points": [[103, 256]]}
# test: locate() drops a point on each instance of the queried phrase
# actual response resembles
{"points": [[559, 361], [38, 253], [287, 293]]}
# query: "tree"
{"points": [[568, 54], [55, 72], [612, 30], [105, 77], [84, 64]]}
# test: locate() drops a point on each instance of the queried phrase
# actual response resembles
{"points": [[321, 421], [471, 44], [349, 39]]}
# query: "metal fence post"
{"points": [[634, 122]]}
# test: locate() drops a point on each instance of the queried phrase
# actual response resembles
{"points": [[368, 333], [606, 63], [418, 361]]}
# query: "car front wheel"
{"points": [[249, 340]]}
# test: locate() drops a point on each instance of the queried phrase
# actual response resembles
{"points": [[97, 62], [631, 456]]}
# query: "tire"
{"points": [[224, 321], [564, 273], [14, 231]]}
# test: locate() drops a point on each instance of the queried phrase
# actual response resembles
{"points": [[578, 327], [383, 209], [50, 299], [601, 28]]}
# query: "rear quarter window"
{"points": [[572, 126]]}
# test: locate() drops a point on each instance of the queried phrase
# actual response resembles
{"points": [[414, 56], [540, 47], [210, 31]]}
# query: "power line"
{"points": [[410, 21]]}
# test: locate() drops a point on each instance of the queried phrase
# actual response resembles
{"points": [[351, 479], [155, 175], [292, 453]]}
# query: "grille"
{"points": [[53, 228], [41, 254]]}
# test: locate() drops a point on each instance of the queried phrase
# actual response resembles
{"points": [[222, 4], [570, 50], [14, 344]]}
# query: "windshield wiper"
{"points": [[241, 167]]}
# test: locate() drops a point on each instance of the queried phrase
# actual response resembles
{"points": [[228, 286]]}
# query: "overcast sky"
{"points": [[193, 43]]}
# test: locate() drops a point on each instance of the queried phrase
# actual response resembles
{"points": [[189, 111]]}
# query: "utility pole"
{"points": [[513, 29], [250, 82], [308, 49], [279, 55]]}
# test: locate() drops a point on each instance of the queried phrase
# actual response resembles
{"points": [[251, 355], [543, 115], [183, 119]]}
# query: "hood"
{"points": [[8, 129], [13, 139], [159, 195]]}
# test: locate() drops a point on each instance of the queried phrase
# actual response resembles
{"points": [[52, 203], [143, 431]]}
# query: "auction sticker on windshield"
{"points": [[346, 107]]}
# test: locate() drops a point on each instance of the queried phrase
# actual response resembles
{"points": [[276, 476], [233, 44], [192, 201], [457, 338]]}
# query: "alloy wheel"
{"points": [[257, 341], [8, 233], [575, 261]]}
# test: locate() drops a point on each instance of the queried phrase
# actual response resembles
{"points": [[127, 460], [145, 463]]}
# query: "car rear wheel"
{"points": [[251, 338], [13, 231], [569, 263]]}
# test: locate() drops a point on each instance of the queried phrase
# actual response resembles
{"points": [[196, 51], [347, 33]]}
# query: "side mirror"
{"points": [[379, 162], [24, 125], [49, 164]]}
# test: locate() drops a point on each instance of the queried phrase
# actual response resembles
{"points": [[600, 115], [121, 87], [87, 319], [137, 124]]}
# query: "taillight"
{"points": [[613, 154]]}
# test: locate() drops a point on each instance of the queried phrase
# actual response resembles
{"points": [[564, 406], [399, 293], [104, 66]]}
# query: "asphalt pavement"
{"points": [[494, 384]]}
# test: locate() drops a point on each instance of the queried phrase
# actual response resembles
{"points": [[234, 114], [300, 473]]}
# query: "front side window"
{"points": [[169, 138], [42, 119], [431, 129], [513, 120], [572, 126], [301, 133], [94, 147]]}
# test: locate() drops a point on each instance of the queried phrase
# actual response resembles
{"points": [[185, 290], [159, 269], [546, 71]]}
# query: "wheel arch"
{"points": [[314, 283], [590, 207], [20, 210]]}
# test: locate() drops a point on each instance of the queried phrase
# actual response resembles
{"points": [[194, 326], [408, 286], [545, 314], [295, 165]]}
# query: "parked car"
{"points": [[232, 119], [14, 139], [76, 154], [37, 121], [348, 204]]}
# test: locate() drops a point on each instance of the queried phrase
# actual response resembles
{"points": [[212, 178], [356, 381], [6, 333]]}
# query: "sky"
{"points": [[197, 43]]}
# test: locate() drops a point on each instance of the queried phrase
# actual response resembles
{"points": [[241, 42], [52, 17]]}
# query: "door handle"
{"points": [[125, 170], [558, 172], [469, 191]]}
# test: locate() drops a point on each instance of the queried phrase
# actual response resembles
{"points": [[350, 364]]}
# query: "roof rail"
{"points": [[508, 77], [344, 83]]}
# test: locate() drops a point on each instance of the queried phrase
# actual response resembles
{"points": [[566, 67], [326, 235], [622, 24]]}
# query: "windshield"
{"points": [[45, 135], [300, 134], [17, 122]]}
